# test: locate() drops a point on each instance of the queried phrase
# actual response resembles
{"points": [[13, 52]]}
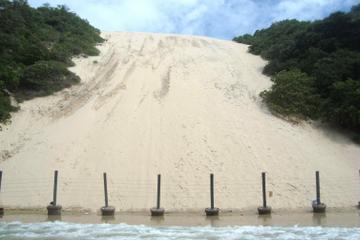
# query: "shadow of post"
{"points": [[53, 218], [319, 219], [107, 219], [213, 220]]}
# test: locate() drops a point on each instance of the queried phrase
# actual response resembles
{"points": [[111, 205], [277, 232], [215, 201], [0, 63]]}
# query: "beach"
{"points": [[179, 106]]}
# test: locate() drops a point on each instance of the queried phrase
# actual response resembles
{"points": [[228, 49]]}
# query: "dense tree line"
{"points": [[315, 67], [36, 46]]}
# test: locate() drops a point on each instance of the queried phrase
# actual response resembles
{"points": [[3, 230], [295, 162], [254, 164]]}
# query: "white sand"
{"points": [[181, 106]]}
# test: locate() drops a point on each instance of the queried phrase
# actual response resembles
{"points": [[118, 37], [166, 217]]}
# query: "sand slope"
{"points": [[181, 106]]}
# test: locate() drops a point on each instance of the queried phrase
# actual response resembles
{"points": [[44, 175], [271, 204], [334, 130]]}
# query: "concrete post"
{"points": [[158, 211], [212, 211], [53, 208], [317, 205], [264, 209], [106, 210]]}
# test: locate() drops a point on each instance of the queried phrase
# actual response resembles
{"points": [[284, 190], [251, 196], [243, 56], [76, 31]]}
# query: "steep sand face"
{"points": [[181, 106]]}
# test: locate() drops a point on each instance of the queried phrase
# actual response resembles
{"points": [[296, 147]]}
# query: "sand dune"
{"points": [[181, 106]]}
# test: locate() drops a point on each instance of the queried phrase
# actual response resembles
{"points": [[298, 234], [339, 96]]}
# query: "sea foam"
{"points": [[65, 231]]}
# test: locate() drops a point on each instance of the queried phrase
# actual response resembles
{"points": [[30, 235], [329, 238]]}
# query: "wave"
{"points": [[66, 231]]}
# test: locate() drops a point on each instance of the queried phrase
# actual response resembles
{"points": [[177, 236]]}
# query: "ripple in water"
{"points": [[62, 231]]}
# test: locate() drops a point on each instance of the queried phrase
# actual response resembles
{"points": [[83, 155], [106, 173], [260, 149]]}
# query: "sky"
{"points": [[223, 19]]}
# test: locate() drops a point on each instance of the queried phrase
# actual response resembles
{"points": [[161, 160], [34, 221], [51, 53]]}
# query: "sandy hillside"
{"points": [[181, 106]]}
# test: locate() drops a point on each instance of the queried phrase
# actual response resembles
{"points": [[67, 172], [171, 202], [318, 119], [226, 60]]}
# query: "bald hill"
{"points": [[315, 68]]}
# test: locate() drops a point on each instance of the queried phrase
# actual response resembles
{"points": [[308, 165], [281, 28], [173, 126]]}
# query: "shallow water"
{"points": [[65, 231]]}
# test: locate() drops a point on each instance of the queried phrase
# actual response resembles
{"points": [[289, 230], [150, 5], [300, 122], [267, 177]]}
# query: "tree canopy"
{"points": [[36, 46], [315, 67]]}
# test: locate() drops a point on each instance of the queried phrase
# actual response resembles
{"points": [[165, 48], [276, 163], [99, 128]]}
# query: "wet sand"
{"points": [[333, 218]]}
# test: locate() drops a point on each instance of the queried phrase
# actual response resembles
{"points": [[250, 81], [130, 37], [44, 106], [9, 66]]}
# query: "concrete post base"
{"points": [[107, 211], [319, 207], [212, 211], [157, 211], [264, 210], [54, 210]]}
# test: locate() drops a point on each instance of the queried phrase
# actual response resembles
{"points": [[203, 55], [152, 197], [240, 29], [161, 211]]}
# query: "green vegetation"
{"points": [[45, 77], [293, 93], [315, 67], [36, 46]]}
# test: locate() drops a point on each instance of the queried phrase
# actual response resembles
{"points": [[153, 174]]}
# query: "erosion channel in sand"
{"points": [[181, 106]]}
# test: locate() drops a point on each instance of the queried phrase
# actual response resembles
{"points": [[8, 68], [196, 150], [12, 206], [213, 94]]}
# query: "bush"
{"points": [[343, 105], [36, 47], [315, 68], [292, 94], [46, 77], [5, 107]]}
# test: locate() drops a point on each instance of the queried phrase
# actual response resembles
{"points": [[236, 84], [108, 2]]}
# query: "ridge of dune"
{"points": [[182, 106]]}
